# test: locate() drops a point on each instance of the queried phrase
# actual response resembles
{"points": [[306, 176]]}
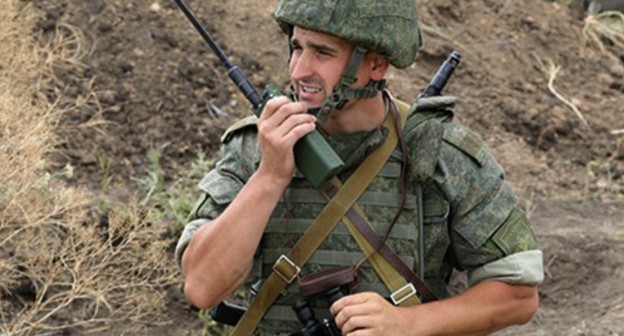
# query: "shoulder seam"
{"points": [[238, 125]]}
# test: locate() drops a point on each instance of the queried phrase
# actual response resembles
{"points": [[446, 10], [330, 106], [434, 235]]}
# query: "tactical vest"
{"points": [[301, 203]]}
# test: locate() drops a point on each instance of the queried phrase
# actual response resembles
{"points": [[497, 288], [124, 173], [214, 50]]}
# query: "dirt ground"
{"points": [[158, 86]]}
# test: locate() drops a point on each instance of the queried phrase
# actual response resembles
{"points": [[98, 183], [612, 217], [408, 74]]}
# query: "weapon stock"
{"points": [[441, 77]]}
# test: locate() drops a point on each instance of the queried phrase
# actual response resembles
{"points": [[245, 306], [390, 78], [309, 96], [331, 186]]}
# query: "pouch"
{"points": [[321, 282]]}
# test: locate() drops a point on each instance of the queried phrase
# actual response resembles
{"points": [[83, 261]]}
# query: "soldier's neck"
{"points": [[357, 116]]}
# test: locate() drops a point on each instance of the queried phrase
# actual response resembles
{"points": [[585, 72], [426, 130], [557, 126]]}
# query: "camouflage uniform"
{"points": [[471, 221]]}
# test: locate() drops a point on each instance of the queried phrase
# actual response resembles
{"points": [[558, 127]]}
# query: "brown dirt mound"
{"points": [[158, 86]]}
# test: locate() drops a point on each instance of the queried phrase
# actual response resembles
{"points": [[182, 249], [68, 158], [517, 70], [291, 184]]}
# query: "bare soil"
{"points": [[158, 86]]}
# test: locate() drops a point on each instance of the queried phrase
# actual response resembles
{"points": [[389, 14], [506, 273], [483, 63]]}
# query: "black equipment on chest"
{"points": [[311, 325], [331, 284]]}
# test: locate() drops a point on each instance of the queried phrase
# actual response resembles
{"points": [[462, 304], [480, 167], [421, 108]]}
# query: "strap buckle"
{"points": [[286, 269], [403, 294]]}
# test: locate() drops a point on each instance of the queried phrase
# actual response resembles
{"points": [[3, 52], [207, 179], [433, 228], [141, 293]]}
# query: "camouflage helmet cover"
{"points": [[389, 27]]}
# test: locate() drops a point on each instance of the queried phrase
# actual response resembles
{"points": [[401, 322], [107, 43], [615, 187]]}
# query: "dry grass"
{"points": [[550, 70], [61, 270], [88, 277], [605, 26]]}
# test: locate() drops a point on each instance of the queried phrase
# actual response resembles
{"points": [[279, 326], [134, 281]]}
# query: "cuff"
{"points": [[185, 238], [525, 268]]}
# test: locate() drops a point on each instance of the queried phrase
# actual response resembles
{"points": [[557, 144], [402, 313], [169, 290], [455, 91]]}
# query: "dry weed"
{"points": [[607, 25], [64, 53], [92, 277], [61, 271], [550, 70]]}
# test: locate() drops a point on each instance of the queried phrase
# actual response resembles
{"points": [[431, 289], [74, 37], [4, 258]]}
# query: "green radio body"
{"points": [[314, 157]]}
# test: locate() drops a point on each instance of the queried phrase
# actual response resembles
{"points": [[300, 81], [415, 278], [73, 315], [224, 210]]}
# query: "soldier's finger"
{"points": [[355, 324], [352, 299], [294, 120], [300, 129], [272, 106], [348, 313], [284, 112]]}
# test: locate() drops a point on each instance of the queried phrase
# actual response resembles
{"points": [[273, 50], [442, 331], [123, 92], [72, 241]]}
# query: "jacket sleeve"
{"points": [[490, 236], [239, 159]]}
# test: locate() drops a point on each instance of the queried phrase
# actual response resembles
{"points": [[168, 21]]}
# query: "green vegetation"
{"points": [[599, 184], [172, 204]]}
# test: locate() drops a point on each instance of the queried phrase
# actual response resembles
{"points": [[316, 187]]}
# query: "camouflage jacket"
{"points": [[470, 216]]}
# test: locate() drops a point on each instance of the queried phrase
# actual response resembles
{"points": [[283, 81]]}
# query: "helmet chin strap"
{"points": [[343, 92]]}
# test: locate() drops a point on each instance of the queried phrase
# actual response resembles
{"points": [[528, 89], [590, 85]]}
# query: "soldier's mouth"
{"points": [[310, 92], [309, 89]]}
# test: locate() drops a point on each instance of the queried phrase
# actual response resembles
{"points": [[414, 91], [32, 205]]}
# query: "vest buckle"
{"points": [[403, 293], [286, 269]]}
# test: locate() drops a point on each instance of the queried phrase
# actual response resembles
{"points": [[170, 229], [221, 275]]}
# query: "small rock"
{"points": [[605, 79], [616, 68], [114, 109], [580, 104], [138, 52], [530, 23], [155, 7]]}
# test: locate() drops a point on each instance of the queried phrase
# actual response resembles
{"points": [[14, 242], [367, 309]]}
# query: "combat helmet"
{"points": [[389, 27]]}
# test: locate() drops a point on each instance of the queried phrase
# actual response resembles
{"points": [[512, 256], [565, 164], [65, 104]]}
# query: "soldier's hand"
{"points": [[369, 313], [281, 124]]}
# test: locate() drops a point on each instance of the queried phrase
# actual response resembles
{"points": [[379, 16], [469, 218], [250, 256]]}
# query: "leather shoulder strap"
{"points": [[401, 280]]}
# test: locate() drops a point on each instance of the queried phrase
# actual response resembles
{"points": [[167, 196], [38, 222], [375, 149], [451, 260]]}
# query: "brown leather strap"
{"points": [[403, 292], [355, 217], [361, 224]]}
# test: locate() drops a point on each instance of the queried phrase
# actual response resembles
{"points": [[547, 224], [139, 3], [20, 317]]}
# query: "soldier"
{"points": [[440, 196]]}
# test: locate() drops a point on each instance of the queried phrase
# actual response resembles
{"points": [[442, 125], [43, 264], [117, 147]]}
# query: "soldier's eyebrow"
{"points": [[319, 47], [322, 48]]}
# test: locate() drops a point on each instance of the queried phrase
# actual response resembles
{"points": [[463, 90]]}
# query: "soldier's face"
{"points": [[316, 64]]}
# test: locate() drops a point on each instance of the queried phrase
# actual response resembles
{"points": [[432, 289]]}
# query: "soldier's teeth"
{"points": [[310, 90]]}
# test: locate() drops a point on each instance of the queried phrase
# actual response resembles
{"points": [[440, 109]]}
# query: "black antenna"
{"points": [[234, 72]]}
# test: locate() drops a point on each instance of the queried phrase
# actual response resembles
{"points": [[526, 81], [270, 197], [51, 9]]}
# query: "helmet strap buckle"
{"points": [[343, 92]]}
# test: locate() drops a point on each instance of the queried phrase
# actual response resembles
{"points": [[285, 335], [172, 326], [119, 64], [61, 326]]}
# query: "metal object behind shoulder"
{"points": [[442, 76]]}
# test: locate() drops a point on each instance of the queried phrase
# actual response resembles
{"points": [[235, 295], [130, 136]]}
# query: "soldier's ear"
{"points": [[379, 66]]}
